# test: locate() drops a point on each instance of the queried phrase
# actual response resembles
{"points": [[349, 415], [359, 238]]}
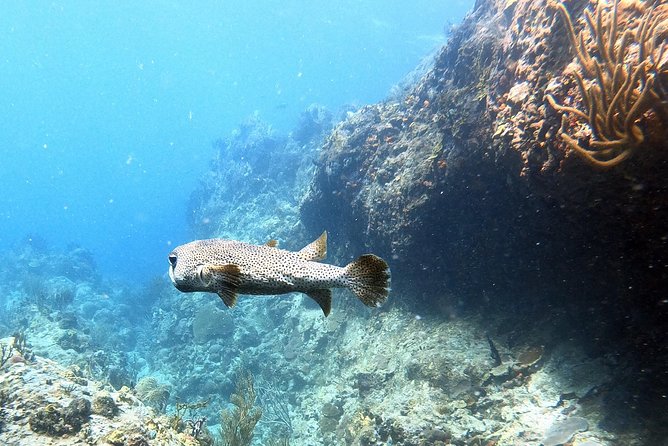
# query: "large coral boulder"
{"points": [[467, 182]]}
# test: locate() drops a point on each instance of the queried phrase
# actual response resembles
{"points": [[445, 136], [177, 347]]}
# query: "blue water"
{"points": [[108, 109]]}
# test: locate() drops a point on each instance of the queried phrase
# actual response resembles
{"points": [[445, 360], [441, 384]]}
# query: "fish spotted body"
{"points": [[229, 268]]}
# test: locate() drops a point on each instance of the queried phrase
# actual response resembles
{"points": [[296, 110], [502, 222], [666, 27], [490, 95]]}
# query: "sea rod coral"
{"points": [[620, 79], [238, 423]]}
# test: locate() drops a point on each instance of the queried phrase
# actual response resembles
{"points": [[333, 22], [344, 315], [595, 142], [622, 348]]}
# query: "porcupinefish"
{"points": [[229, 267]]}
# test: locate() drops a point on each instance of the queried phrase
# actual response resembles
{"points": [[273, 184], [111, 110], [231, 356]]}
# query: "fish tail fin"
{"points": [[369, 278]]}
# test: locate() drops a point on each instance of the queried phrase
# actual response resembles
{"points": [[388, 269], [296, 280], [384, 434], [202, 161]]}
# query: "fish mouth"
{"points": [[180, 284]]}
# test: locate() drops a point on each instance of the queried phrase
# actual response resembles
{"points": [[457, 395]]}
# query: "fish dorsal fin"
{"points": [[316, 250], [324, 299], [272, 243], [226, 280]]}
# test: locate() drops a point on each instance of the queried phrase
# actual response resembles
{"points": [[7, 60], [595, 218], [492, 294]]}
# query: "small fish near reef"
{"points": [[229, 268]]}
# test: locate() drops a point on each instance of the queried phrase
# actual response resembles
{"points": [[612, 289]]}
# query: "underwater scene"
{"points": [[355, 223]]}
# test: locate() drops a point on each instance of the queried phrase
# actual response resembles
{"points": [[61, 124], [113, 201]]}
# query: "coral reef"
{"points": [[211, 323], [397, 377], [410, 374], [257, 172], [465, 182], [391, 178], [45, 403], [472, 152], [68, 311], [526, 306]]}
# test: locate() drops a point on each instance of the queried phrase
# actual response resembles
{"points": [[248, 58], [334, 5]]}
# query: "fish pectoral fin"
{"points": [[228, 273], [228, 296], [272, 243], [316, 250], [324, 299], [227, 279]]}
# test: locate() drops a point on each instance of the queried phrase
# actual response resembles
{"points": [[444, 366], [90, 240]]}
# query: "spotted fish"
{"points": [[229, 268]]}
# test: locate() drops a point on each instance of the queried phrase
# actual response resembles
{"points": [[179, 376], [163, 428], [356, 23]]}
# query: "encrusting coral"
{"points": [[616, 93]]}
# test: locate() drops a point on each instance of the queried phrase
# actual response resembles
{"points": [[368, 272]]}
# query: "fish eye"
{"points": [[172, 260]]}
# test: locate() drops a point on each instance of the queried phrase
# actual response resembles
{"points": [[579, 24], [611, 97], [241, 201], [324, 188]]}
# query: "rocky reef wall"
{"points": [[523, 174], [253, 188], [466, 183]]}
